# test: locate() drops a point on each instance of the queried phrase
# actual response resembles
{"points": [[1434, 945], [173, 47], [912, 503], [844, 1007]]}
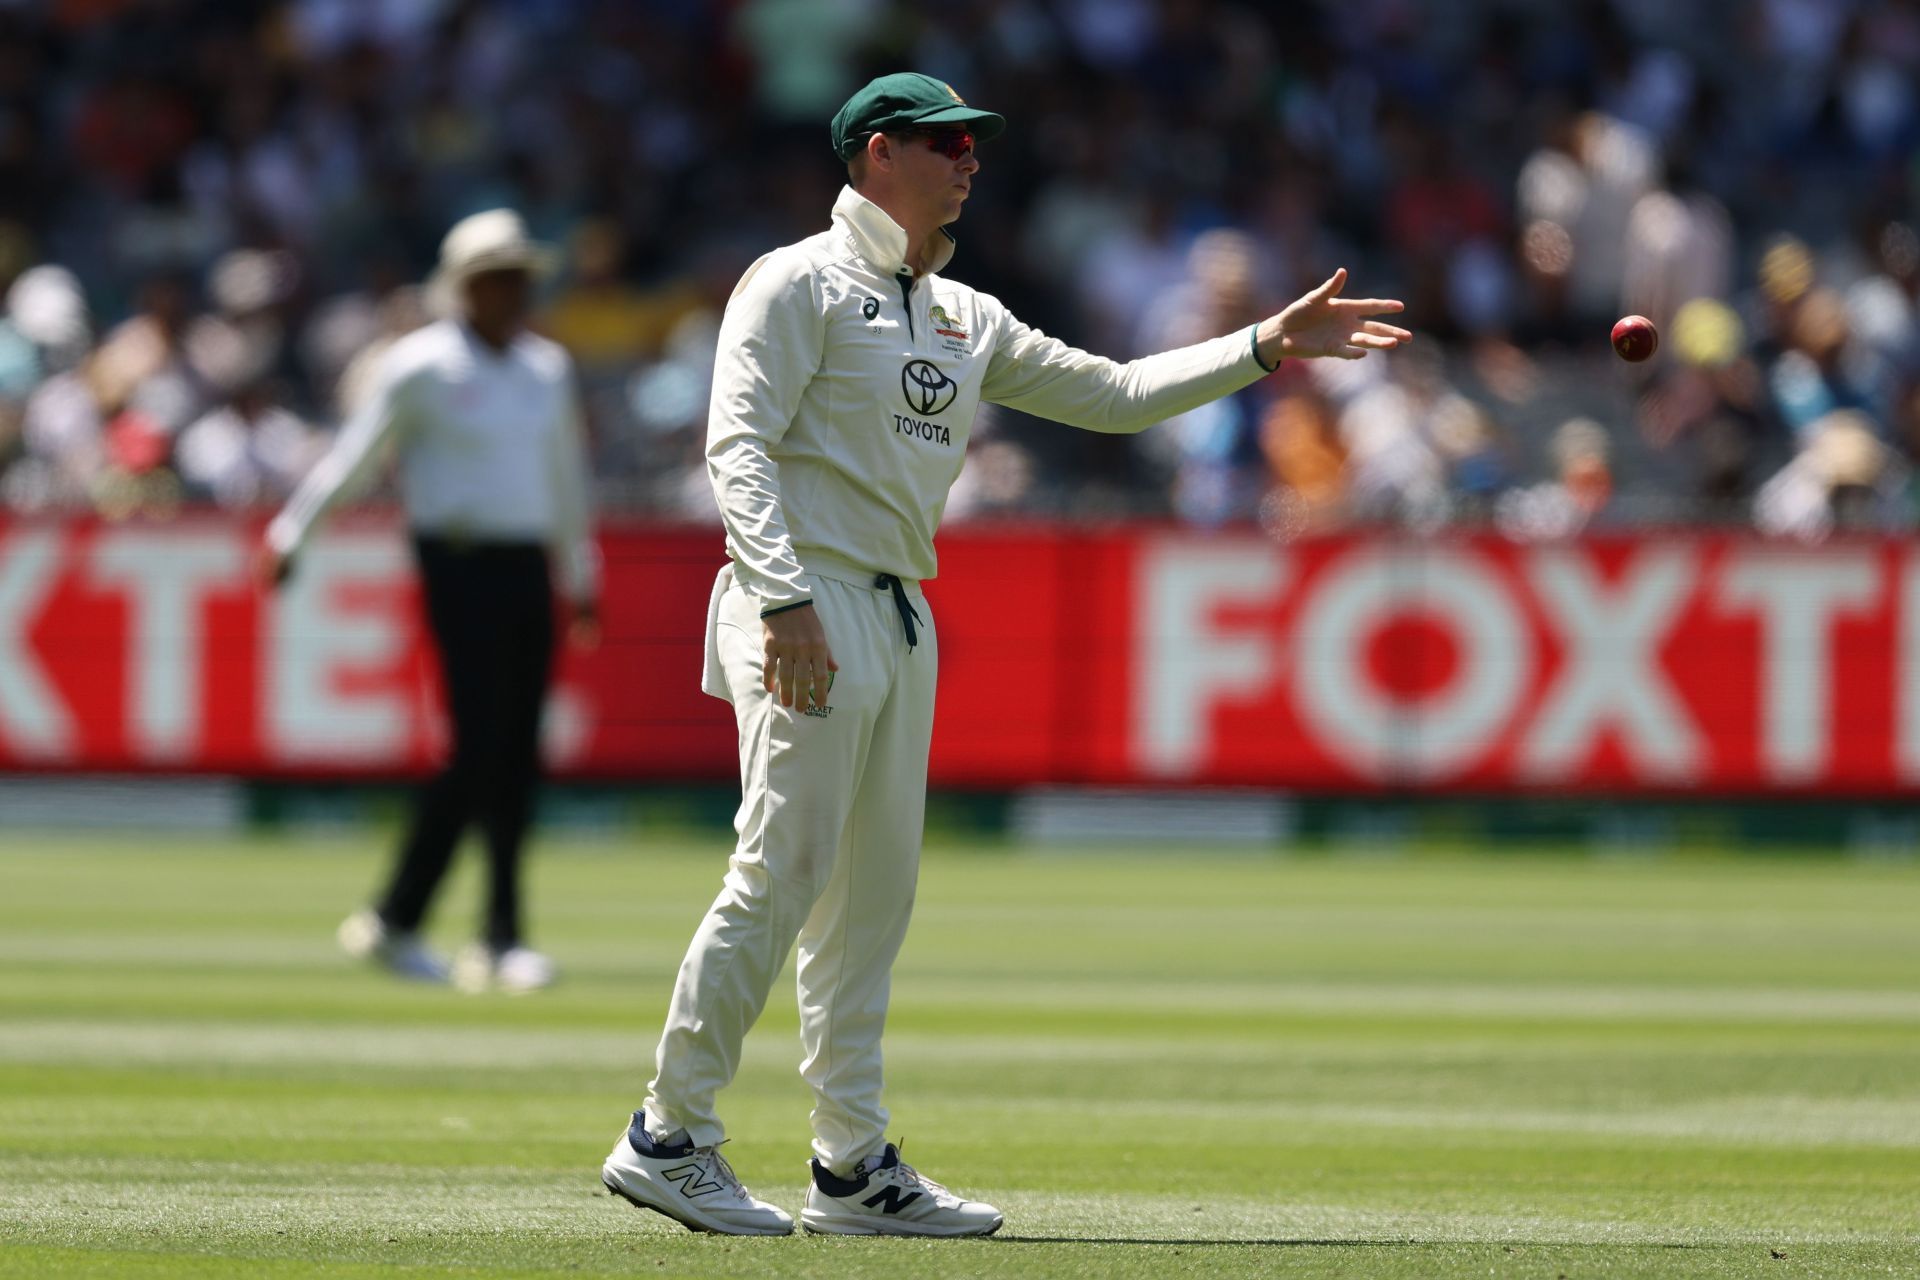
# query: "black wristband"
{"points": [[1253, 338], [784, 608]]}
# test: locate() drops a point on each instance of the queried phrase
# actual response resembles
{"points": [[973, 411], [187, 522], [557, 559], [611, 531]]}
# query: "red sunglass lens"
{"points": [[952, 143]]}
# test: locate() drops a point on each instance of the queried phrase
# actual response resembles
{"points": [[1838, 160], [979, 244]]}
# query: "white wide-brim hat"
{"points": [[1844, 449], [495, 240]]}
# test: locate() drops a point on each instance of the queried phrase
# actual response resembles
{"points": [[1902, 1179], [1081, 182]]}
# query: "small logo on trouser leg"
{"points": [[820, 711]]}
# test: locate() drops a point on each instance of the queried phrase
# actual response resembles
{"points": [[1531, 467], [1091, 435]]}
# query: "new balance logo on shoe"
{"points": [[889, 1200], [691, 1180]]}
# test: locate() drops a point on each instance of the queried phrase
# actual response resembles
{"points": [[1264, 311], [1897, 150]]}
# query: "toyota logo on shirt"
{"points": [[926, 388]]}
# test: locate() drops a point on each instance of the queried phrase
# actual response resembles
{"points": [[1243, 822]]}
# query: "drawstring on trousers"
{"points": [[908, 615]]}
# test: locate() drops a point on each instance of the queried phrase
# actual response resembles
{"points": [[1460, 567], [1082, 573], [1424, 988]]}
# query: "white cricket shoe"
{"points": [[365, 936], [522, 969], [888, 1197], [517, 970], [695, 1186]]}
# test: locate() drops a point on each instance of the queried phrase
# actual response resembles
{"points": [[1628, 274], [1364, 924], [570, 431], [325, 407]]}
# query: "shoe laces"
{"points": [[911, 1174], [722, 1171]]}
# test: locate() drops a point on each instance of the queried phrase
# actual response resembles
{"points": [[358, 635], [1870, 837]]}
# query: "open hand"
{"points": [[1325, 324]]}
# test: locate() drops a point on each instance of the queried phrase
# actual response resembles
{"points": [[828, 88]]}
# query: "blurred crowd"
{"points": [[214, 217]]}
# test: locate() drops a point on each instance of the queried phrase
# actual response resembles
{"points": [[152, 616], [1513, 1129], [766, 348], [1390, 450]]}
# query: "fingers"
{"points": [[802, 677], [781, 676], [1334, 284], [813, 680], [821, 667], [1368, 306], [1380, 330], [1373, 341]]}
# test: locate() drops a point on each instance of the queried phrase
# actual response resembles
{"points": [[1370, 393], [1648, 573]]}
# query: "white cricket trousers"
{"points": [[829, 827]]}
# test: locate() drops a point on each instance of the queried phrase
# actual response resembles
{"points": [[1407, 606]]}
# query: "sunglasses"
{"points": [[951, 143]]}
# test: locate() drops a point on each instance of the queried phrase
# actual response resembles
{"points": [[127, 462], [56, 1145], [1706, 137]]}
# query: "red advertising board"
{"points": [[1668, 662]]}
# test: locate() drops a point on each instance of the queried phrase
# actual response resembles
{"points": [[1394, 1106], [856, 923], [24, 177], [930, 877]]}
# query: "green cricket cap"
{"points": [[907, 100]]}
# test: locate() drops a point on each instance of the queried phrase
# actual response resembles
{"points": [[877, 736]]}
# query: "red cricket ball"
{"points": [[1635, 338]]}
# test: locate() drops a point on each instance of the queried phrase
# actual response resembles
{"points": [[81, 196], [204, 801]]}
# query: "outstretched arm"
{"points": [[1044, 376]]}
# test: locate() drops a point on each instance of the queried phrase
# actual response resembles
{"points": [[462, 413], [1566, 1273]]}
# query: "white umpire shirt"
{"points": [[490, 443], [844, 390]]}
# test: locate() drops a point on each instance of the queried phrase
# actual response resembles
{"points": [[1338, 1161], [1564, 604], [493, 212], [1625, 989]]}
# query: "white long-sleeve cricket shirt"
{"points": [[490, 442], [844, 391]]}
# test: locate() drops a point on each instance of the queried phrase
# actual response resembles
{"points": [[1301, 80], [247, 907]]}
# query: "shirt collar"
{"points": [[879, 239], [481, 347]]}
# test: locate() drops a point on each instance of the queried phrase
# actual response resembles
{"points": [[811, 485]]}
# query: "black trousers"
{"points": [[490, 609]]}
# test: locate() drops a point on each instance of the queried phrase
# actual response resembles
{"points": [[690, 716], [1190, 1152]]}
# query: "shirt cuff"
{"points": [[773, 594]]}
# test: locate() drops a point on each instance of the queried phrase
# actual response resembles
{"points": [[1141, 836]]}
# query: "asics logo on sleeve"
{"points": [[927, 390]]}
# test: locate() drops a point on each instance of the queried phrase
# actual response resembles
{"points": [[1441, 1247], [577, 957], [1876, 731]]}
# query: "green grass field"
{"points": [[1185, 1064]]}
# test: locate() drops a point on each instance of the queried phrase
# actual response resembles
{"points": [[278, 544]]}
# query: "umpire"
{"points": [[484, 417]]}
